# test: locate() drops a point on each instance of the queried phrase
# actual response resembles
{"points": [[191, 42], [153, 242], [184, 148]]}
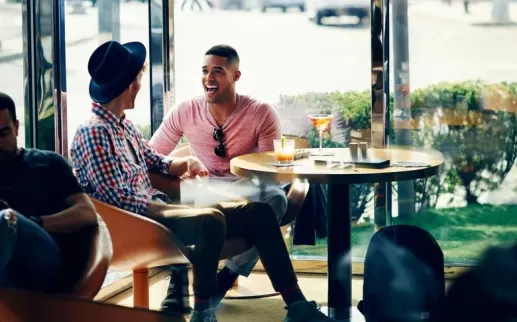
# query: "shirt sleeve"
{"points": [[153, 159], [104, 174], [166, 138], [269, 128], [68, 184]]}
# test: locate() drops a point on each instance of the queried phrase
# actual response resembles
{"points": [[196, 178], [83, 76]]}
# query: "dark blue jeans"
{"points": [[29, 258]]}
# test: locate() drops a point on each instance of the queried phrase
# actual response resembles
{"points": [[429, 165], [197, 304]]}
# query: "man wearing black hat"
{"points": [[112, 162]]}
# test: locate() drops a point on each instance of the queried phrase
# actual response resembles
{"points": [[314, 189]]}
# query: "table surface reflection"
{"points": [[258, 165]]}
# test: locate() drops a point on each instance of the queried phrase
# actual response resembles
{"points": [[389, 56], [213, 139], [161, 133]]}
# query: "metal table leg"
{"points": [[339, 255]]}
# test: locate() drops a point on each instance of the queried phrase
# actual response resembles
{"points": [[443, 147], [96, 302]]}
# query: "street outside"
{"points": [[281, 53]]}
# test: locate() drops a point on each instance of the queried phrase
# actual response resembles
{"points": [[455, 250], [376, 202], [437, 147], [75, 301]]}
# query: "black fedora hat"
{"points": [[113, 67]]}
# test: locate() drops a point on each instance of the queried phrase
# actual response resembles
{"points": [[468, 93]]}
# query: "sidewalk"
{"points": [[480, 12], [79, 27]]}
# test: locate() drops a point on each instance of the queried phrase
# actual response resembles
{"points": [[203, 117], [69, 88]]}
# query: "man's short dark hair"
{"points": [[225, 51], [7, 103]]}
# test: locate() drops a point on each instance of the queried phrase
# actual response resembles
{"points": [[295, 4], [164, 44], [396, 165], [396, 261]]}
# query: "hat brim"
{"points": [[106, 93]]}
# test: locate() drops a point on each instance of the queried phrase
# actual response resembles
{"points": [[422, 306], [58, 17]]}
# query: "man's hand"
{"points": [[4, 205], [188, 167], [195, 168]]}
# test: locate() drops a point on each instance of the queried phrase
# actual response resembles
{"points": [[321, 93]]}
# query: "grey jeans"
{"points": [[274, 196]]}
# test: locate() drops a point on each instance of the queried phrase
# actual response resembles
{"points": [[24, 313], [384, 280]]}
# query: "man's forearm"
{"points": [[70, 220], [178, 167]]}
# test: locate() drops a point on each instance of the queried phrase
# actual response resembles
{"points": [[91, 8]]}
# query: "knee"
{"points": [[214, 221], [278, 203], [263, 215], [277, 199]]}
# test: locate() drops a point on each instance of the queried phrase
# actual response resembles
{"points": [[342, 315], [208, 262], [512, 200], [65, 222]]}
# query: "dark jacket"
{"points": [[312, 220]]}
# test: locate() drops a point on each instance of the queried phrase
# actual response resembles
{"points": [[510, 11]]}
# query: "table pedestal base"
{"points": [[243, 292], [249, 288], [355, 315]]}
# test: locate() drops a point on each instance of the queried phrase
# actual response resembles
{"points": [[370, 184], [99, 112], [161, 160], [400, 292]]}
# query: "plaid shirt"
{"points": [[105, 169]]}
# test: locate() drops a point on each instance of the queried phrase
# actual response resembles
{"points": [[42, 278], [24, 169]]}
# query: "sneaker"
{"points": [[204, 316], [176, 300], [305, 311]]}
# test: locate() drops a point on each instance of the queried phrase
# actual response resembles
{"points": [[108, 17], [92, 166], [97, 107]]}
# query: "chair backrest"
{"points": [[86, 255], [22, 306], [295, 197], [403, 275], [138, 241]]}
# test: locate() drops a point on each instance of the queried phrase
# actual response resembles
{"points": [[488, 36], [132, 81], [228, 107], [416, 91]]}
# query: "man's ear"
{"points": [[16, 127], [237, 75]]}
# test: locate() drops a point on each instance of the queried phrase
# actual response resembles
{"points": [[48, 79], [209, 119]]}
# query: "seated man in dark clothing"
{"points": [[41, 201]]}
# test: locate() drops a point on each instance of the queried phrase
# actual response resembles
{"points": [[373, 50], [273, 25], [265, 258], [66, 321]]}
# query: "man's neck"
{"points": [[222, 111], [115, 107], [10, 160]]}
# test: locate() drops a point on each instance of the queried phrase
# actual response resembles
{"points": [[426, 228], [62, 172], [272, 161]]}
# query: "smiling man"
{"points": [[221, 125]]}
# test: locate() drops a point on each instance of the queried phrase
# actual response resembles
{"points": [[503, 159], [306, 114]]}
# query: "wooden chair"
{"points": [[86, 257], [140, 243], [23, 306]]}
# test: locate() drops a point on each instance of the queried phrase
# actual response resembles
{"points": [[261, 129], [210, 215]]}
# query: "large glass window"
{"points": [[11, 60], [462, 103], [453, 90]]}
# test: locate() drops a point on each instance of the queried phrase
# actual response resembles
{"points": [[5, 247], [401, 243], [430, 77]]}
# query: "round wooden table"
{"points": [[257, 165]]}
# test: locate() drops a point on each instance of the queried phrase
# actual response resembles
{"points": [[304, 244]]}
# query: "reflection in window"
{"points": [[11, 60]]}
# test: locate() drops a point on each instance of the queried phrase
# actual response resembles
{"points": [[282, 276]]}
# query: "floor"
{"points": [[269, 309]]}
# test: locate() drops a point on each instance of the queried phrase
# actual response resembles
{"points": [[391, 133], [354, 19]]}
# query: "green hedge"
{"points": [[355, 106], [479, 153]]}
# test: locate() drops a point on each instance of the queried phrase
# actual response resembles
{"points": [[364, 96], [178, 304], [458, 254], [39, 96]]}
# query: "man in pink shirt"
{"points": [[112, 161], [219, 126]]}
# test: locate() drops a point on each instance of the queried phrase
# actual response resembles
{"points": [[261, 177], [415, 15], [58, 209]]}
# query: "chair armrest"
{"points": [[99, 259], [139, 242], [295, 198]]}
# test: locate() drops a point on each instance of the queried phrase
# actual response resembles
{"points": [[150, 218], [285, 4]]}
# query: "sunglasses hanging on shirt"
{"points": [[218, 135]]}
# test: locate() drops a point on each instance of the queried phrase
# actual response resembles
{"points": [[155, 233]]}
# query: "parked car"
{"points": [[263, 5], [316, 10], [282, 4]]}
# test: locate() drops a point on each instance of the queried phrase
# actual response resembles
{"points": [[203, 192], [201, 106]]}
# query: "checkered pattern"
{"points": [[105, 169]]}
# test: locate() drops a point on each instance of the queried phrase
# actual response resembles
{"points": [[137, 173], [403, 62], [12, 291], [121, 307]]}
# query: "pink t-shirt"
{"points": [[252, 127]]}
